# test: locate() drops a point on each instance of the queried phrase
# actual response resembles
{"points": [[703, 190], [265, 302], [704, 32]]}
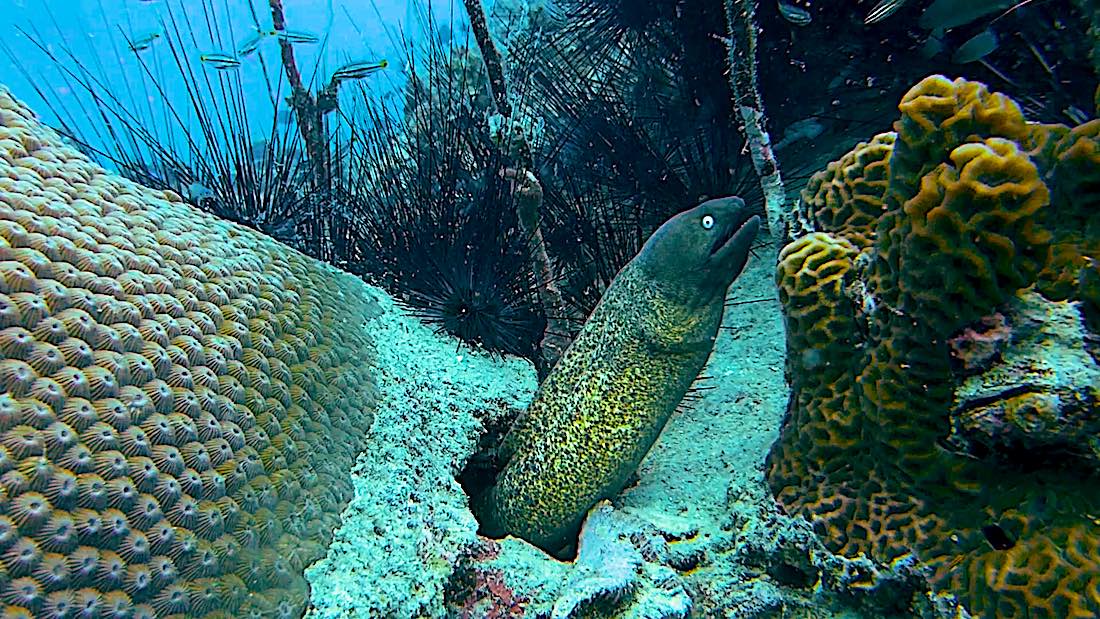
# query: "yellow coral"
{"points": [[1074, 170], [847, 198], [937, 116], [170, 429], [973, 234], [980, 206]]}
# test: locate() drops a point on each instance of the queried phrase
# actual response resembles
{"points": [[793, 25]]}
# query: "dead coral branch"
{"points": [[741, 21]]}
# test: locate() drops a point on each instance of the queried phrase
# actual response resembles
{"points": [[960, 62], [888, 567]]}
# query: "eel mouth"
{"points": [[744, 224]]}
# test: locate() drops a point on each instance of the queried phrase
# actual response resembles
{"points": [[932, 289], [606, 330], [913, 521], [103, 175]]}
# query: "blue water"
{"points": [[94, 33]]}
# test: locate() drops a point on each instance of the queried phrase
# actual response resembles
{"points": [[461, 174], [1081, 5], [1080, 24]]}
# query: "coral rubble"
{"points": [[923, 261], [180, 397]]}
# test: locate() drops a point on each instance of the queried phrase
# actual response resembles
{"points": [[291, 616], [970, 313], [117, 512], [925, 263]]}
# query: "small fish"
{"points": [[932, 47], [252, 43], [143, 43], [359, 70], [976, 47], [806, 129], [296, 36], [1075, 114], [943, 15], [220, 61], [794, 14], [196, 192], [882, 10]]}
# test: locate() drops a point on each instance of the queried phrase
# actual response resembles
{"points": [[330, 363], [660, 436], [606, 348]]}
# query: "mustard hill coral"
{"points": [[181, 397], [911, 246]]}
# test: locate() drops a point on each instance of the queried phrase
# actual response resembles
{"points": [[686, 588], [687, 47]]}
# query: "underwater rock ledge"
{"points": [[409, 522]]}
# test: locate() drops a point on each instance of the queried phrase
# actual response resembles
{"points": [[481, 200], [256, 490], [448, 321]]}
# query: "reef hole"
{"points": [[482, 467]]}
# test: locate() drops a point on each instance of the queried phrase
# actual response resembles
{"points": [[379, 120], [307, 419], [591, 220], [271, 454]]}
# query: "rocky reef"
{"points": [[940, 299], [696, 535], [193, 413], [181, 398], [409, 523]]}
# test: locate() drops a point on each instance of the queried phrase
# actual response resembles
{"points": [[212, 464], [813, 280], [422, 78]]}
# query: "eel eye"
{"points": [[708, 222]]}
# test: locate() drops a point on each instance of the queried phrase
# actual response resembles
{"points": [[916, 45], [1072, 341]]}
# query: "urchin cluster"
{"points": [[181, 398], [634, 160], [480, 293], [435, 221]]}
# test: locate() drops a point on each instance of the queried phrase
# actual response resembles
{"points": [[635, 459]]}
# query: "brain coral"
{"points": [[180, 397], [943, 230]]}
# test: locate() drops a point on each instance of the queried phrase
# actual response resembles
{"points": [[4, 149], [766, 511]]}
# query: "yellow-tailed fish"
{"points": [[882, 10], [296, 36], [143, 42], [359, 70], [220, 60]]}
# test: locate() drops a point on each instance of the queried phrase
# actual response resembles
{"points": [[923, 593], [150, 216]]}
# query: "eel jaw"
{"points": [[735, 242]]}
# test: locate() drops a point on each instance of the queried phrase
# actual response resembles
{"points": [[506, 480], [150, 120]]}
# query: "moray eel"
{"points": [[601, 408]]}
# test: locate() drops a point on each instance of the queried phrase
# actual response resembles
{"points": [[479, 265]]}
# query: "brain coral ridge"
{"points": [[906, 246], [180, 398]]}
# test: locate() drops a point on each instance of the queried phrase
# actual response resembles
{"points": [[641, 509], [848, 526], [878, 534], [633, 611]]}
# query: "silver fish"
{"points": [[944, 15], [296, 36], [976, 47], [882, 10], [197, 191], [143, 43], [1075, 114], [220, 60], [252, 43], [359, 70], [794, 14]]}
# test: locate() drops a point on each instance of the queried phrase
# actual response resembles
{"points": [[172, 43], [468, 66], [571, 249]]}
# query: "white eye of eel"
{"points": [[708, 222]]}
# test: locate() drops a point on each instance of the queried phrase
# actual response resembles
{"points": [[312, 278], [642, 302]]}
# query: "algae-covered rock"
{"points": [[1037, 390]]}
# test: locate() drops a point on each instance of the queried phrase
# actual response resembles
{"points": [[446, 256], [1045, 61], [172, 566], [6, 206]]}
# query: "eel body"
{"points": [[605, 402]]}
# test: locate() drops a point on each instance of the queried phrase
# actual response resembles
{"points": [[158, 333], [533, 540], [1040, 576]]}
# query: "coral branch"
{"points": [[528, 199], [308, 110], [489, 55], [528, 194], [740, 18]]}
